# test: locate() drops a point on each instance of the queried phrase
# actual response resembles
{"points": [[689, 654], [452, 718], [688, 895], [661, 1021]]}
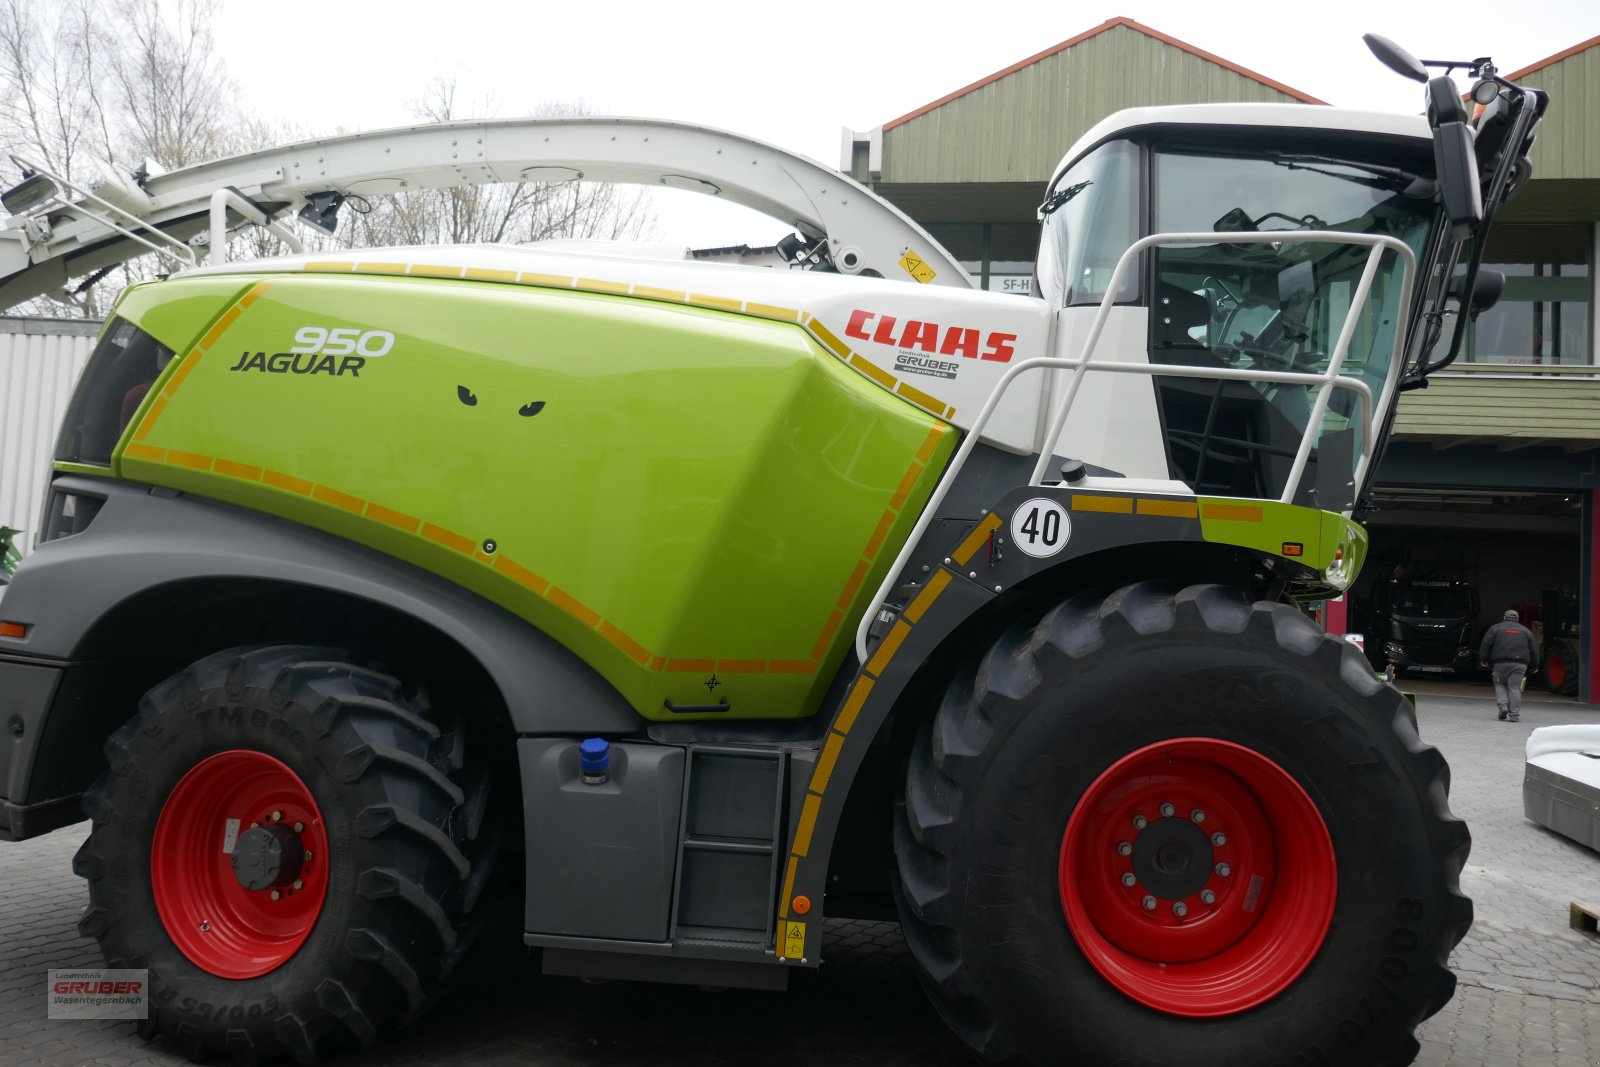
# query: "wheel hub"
{"points": [[1197, 877], [268, 856], [239, 864], [1172, 859]]}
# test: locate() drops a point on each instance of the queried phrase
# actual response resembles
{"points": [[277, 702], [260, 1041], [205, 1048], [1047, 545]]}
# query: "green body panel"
{"points": [[1269, 526], [700, 509]]}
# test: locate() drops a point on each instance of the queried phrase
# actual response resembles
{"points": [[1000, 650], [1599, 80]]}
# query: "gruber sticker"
{"points": [[1040, 527]]}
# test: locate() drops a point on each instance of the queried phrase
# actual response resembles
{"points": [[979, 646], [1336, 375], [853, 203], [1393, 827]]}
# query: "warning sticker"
{"points": [[915, 267], [794, 940]]}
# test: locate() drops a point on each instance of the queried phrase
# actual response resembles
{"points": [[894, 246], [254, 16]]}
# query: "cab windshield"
{"points": [[1273, 306]]}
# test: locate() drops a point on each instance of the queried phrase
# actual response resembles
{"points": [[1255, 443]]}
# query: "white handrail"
{"points": [[221, 201], [175, 249], [1323, 381]]}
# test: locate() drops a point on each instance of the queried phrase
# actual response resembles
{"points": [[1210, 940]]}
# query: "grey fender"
{"points": [[145, 538]]}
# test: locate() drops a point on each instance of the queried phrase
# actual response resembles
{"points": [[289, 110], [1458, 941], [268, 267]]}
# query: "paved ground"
{"points": [[1529, 994]]}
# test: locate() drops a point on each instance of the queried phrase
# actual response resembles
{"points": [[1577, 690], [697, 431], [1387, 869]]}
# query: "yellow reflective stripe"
{"points": [[1114, 505]]}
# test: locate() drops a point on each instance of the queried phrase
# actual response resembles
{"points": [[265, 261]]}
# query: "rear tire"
{"points": [[314, 956], [1009, 843], [1561, 669]]}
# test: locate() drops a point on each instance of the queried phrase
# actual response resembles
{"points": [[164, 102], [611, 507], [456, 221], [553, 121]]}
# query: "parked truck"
{"points": [[699, 605], [1423, 621]]}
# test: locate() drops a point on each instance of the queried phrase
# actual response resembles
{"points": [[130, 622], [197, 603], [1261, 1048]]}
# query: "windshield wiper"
{"points": [[1054, 201], [1393, 177]]}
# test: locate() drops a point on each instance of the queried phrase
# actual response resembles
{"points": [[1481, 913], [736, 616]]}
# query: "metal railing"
{"points": [[1323, 382]]}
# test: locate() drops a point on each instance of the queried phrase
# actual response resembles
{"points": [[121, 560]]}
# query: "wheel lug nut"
{"points": [[1180, 909], [1139, 822], [205, 926], [1149, 903], [277, 816], [1223, 870], [308, 854], [299, 827], [1128, 879], [1198, 815], [1167, 810], [1219, 839], [276, 894], [254, 825], [298, 884], [1208, 896], [1124, 848]]}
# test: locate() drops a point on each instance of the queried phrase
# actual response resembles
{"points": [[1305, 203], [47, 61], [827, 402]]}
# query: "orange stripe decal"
{"points": [[189, 459], [791, 666], [238, 470], [137, 451], [806, 824], [824, 639], [286, 481], [852, 706], [931, 442], [150, 418], [788, 891], [1110, 505], [1233, 512], [448, 538], [832, 343], [650, 292], [976, 539], [597, 285], [1172, 509], [771, 311], [929, 594], [549, 281], [853, 585], [574, 607], [742, 666], [337, 499], [887, 648], [430, 270], [398, 519], [908, 483], [875, 542], [519, 574], [825, 762], [381, 268], [633, 649], [488, 274], [873, 371], [721, 303], [691, 666]]}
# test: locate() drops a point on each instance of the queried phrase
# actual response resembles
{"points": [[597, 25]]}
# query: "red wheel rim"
{"points": [[1198, 877], [219, 924]]}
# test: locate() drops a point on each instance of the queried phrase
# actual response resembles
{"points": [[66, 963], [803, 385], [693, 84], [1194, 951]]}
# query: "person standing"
{"points": [[1509, 651]]}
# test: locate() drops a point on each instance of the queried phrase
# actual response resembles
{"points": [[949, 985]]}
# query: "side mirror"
{"points": [[1395, 58], [1454, 159], [1486, 290]]}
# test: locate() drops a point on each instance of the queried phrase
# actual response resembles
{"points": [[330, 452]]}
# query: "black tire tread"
{"points": [[386, 739], [935, 799]]}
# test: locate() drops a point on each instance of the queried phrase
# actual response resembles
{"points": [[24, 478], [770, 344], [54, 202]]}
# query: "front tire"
{"points": [[288, 843], [1110, 744]]}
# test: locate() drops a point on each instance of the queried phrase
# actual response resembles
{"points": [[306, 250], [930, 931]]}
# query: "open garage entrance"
{"points": [[1445, 563]]}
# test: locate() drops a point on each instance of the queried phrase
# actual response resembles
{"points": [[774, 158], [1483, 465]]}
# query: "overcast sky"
{"points": [[796, 74]]}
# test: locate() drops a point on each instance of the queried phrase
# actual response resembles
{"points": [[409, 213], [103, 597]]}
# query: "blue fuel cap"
{"points": [[594, 755]]}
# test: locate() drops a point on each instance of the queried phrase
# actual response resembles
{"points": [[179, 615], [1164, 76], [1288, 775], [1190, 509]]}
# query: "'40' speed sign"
{"points": [[1040, 527]]}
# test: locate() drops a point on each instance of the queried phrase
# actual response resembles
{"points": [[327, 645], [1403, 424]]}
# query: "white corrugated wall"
{"points": [[40, 360]]}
